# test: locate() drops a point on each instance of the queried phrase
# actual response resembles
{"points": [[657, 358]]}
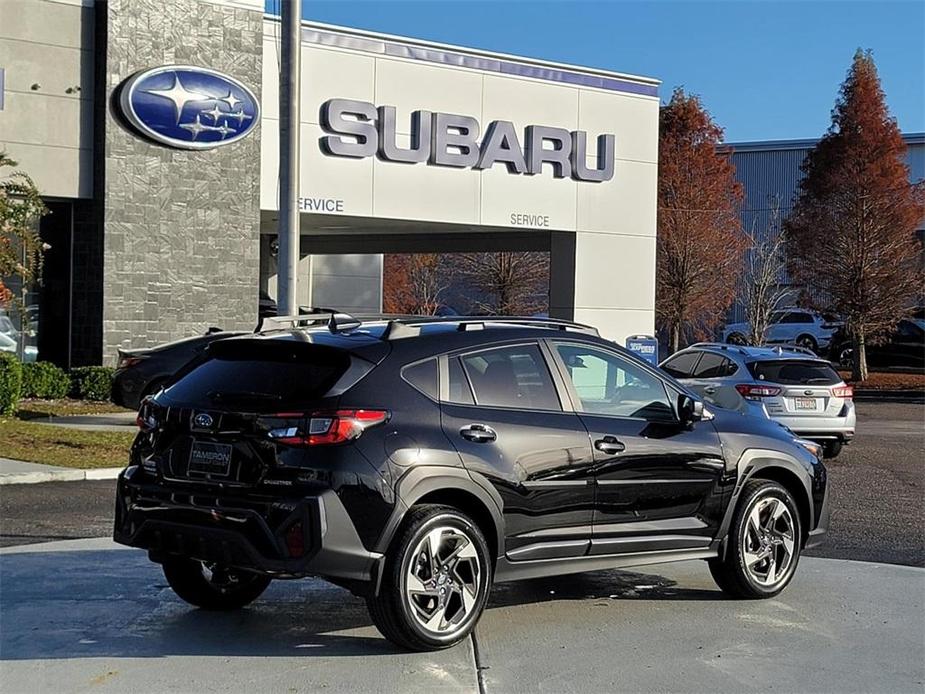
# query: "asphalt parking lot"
{"points": [[86, 615]]}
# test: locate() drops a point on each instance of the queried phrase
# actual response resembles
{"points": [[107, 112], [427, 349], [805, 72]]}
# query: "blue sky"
{"points": [[765, 69]]}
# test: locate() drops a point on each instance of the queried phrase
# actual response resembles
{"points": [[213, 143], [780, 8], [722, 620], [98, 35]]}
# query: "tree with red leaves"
{"points": [[415, 284], [700, 243], [851, 235]]}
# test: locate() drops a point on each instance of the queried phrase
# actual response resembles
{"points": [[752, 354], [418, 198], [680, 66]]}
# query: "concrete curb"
{"points": [[58, 475], [888, 395]]}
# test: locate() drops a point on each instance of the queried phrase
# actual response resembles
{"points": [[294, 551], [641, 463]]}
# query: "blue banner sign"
{"points": [[643, 346]]}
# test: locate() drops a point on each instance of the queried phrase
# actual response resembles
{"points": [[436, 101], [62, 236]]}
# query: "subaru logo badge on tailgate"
{"points": [[189, 107], [202, 420]]}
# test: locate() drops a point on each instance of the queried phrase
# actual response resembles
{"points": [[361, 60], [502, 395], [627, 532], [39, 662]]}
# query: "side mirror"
{"points": [[689, 409]]}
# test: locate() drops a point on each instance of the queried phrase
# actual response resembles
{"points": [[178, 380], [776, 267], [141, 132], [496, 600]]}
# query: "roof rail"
{"points": [[722, 345], [781, 348], [401, 327]]}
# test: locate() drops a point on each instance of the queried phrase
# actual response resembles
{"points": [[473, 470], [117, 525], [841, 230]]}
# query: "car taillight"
{"points": [[321, 428], [145, 419], [126, 361], [753, 391], [846, 392]]}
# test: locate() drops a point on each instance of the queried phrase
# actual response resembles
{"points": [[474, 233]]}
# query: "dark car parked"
{"points": [[417, 461], [903, 348], [142, 372]]}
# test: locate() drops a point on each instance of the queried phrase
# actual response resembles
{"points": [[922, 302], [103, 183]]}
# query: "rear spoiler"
{"points": [[336, 321]]}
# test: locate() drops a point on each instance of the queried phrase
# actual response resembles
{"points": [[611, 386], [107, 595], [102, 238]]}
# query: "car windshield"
{"points": [[794, 372]]}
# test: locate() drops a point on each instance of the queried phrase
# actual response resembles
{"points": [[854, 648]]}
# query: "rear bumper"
{"points": [[242, 533], [821, 428]]}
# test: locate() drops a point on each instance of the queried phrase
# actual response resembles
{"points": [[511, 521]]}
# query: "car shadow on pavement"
{"points": [[115, 603], [597, 585], [86, 604]]}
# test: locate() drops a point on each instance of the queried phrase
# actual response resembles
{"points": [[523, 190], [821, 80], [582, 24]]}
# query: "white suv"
{"points": [[797, 326]]}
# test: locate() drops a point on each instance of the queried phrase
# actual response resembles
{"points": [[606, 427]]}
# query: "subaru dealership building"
{"points": [[151, 128]]}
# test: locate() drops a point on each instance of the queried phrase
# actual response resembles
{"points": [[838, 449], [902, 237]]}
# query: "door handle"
{"points": [[710, 390], [609, 445], [478, 433]]}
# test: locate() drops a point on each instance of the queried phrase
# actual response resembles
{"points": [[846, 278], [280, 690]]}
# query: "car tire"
{"points": [[755, 544], [435, 582], [807, 342], [212, 587], [831, 449]]}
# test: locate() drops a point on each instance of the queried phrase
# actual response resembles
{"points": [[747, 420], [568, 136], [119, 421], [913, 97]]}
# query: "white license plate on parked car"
{"points": [[804, 403]]}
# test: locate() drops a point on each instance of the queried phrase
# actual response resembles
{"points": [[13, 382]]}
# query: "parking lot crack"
{"points": [[479, 668]]}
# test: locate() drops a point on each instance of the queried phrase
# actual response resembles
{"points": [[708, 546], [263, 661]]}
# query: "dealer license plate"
{"points": [[207, 458], [804, 403]]}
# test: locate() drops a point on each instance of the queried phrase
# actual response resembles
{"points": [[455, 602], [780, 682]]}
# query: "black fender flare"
{"points": [[754, 461], [422, 480]]}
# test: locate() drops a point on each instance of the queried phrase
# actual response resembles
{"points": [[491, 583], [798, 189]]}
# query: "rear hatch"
{"points": [[219, 421], [807, 387]]}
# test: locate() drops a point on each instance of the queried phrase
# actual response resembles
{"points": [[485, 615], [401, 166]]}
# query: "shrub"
{"points": [[44, 380], [91, 382], [10, 383]]}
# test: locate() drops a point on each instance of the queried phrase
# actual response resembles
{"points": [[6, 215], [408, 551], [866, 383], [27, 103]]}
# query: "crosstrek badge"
{"points": [[189, 107]]}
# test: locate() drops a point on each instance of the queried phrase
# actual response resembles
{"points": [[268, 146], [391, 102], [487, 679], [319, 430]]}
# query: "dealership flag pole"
{"points": [[289, 103]]}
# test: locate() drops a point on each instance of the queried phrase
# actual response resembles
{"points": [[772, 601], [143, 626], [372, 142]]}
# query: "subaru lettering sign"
{"points": [[189, 107], [645, 347], [359, 129]]}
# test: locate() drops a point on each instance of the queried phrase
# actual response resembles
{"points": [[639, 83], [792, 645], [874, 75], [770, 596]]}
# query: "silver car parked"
{"points": [[796, 388]]}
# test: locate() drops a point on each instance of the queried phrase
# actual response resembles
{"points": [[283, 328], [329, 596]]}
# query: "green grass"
{"points": [[43, 409], [63, 446]]}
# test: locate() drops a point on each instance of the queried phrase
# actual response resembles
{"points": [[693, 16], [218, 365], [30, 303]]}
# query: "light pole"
{"points": [[289, 116]]}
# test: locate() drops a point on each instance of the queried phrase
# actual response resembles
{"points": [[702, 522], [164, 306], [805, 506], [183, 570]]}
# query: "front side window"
{"points": [[611, 385], [514, 377]]}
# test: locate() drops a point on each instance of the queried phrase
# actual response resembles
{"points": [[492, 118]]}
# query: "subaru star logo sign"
{"points": [[203, 420], [189, 107]]}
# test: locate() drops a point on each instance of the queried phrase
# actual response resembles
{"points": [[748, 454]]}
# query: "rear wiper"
{"points": [[241, 394], [821, 379]]}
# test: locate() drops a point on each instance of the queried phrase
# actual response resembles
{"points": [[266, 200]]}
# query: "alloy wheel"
{"points": [[768, 543], [443, 580]]}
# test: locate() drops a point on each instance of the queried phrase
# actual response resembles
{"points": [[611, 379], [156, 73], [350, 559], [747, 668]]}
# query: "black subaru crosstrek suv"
{"points": [[418, 461]]}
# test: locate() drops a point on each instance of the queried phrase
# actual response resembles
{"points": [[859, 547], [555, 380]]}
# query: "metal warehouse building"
{"points": [[770, 176], [160, 227]]}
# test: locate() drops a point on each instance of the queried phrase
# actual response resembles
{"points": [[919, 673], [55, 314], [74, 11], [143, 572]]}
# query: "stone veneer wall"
{"points": [[180, 228]]}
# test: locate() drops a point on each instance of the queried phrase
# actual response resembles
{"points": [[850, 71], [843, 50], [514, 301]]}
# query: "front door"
{"points": [[502, 411], [659, 483]]}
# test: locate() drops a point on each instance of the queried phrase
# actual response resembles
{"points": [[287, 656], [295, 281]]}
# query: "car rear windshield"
{"points": [[259, 376], [794, 372]]}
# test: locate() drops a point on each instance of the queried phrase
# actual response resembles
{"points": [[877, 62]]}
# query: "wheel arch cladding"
{"points": [[790, 481], [472, 506], [452, 487]]}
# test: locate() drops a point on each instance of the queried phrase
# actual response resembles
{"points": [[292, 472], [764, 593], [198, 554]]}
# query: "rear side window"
{"points": [[682, 365], [794, 372], [423, 376], [260, 377], [709, 366], [515, 377], [459, 390]]}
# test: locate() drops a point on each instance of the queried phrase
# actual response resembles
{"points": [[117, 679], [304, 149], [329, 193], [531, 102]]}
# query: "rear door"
{"points": [[502, 411], [659, 483]]}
